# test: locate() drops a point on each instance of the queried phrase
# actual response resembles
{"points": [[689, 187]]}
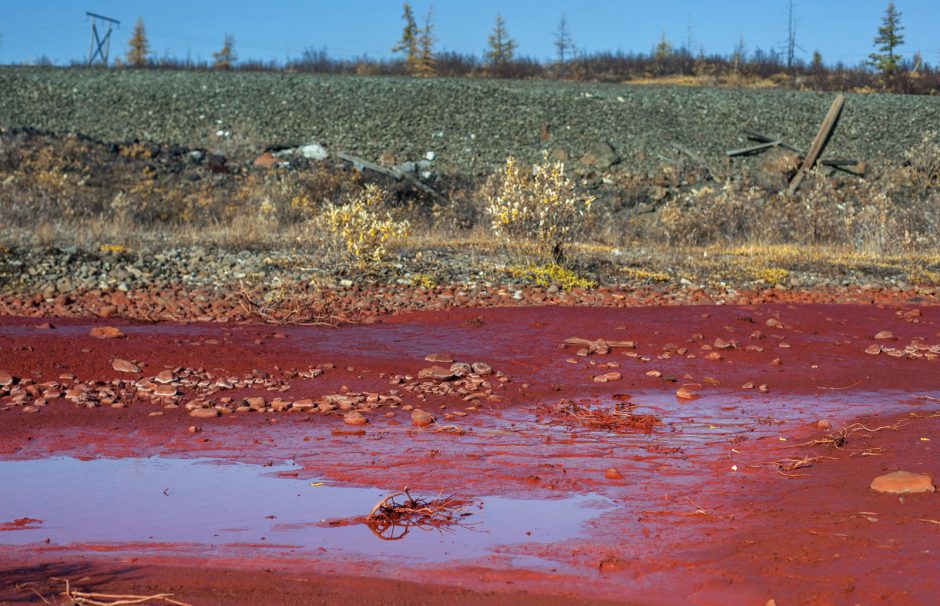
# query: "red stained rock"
{"points": [[204, 413], [106, 332], [420, 418], [438, 373], [903, 482], [439, 358], [355, 418], [122, 365]]}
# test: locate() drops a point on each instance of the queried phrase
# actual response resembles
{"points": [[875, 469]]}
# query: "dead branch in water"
{"points": [[392, 518], [620, 417], [31, 587], [84, 598], [838, 439], [785, 467], [296, 309]]}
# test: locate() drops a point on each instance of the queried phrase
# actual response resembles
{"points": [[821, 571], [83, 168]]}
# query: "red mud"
{"points": [[703, 513]]}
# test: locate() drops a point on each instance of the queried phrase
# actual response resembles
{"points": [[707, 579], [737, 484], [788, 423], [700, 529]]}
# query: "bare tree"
{"points": [[791, 34], [739, 55], [564, 43]]}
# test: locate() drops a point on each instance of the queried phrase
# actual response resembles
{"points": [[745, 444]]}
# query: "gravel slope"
{"points": [[471, 125]]}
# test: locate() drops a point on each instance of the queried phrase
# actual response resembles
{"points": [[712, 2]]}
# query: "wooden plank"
{"points": [[822, 137], [744, 151], [757, 136], [394, 173], [853, 167], [753, 136]]}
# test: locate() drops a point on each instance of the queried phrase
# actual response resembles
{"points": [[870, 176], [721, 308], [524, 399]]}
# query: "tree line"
{"points": [[416, 56]]}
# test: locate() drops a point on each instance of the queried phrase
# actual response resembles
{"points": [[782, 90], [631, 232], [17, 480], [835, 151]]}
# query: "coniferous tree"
{"points": [[408, 44], [817, 63], [138, 48], [663, 48], [425, 65], [500, 47], [225, 57], [889, 38]]}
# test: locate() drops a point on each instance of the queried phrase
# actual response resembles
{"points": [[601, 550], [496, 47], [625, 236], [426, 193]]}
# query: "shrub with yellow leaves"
{"points": [[538, 205], [362, 228]]}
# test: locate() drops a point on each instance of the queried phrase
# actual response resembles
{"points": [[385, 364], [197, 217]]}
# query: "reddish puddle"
{"points": [[700, 516]]}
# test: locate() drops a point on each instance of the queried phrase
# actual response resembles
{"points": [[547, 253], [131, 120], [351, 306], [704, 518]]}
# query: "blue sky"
{"points": [[842, 30]]}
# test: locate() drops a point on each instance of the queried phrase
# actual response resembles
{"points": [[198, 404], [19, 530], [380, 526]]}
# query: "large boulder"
{"points": [[602, 155], [775, 169]]}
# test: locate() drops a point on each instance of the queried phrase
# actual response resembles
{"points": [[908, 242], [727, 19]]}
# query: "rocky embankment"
{"points": [[469, 126]]}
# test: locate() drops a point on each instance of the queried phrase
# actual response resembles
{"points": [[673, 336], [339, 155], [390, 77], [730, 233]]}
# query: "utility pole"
{"points": [[100, 47]]}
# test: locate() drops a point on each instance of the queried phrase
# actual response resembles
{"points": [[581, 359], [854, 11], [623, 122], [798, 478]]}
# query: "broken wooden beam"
{"points": [[822, 137], [765, 139], [855, 167], [394, 173], [753, 149]]}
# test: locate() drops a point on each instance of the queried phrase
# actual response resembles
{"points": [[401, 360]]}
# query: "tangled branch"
{"points": [[393, 517]]}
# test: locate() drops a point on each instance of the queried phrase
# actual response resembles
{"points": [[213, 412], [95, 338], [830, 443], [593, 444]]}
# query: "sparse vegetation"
{"points": [[653, 224], [550, 274]]}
